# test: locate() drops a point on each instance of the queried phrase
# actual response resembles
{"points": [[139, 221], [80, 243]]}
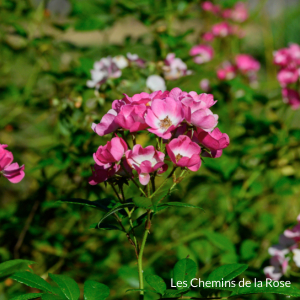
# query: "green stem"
{"points": [[140, 257]]}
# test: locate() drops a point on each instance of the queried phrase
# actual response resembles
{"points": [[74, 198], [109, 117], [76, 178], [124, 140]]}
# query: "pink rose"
{"points": [[221, 29], [112, 152], [174, 67], [131, 117], [202, 53], [184, 153], [291, 97], [239, 13], [107, 124], [208, 36], [295, 232], [282, 57], [227, 71], [12, 171], [164, 116], [214, 141], [102, 173], [294, 51], [145, 161], [287, 76], [246, 63]]}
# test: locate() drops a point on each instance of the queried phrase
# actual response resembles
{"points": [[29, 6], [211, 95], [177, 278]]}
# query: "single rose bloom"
{"points": [[282, 57], [239, 12], [145, 161], [155, 83], [222, 29], [291, 97], [12, 171], [174, 67], [164, 116], [215, 141], [107, 124], [112, 152], [246, 63], [184, 153], [294, 51], [102, 173], [227, 71], [131, 117], [208, 36], [287, 76], [202, 53]]}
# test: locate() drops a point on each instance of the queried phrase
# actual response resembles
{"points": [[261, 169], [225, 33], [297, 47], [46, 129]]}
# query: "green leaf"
{"points": [[227, 272], [67, 285], [140, 220], [94, 204], [184, 270], [114, 210], [105, 226], [28, 296], [9, 267], [142, 202], [248, 249], [221, 241], [178, 204], [157, 283], [289, 291], [95, 291], [52, 297], [174, 293], [33, 281]]}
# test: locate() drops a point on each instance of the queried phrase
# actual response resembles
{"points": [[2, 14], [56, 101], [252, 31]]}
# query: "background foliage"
{"points": [[249, 195]]}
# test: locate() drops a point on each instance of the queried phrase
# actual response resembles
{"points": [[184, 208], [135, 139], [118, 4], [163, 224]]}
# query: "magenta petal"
{"points": [[144, 178]]}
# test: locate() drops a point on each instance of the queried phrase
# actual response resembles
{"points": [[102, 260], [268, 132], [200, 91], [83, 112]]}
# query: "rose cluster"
{"points": [[238, 14], [182, 124], [244, 64], [288, 59], [12, 171], [287, 248]]}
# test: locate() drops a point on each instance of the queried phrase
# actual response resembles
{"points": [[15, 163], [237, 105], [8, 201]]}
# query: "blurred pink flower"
{"points": [[246, 63], [291, 97], [287, 76], [145, 161], [134, 58], [202, 53], [294, 51], [222, 29], [208, 36], [112, 152], [209, 6], [227, 71], [184, 153], [174, 68], [164, 116], [104, 69], [295, 232], [205, 85], [282, 57], [239, 12], [12, 171]]}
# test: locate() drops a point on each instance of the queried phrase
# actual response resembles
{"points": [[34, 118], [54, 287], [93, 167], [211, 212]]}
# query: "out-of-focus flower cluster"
{"points": [[182, 124], [12, 171], [284, 253], [229, 20], [288, 59], [244, 64], [171, 68]]}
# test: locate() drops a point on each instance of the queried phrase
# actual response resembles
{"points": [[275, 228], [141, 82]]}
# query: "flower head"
{"points": [[164, 116], [155, 83], [12, 171], [145, 161], [222, 29], [246, 63], [174, 67], [291, 97], [184, 153], [202, 53]]}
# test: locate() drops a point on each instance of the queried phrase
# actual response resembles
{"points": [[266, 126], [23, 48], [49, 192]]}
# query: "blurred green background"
{"points": [[250, 194]]}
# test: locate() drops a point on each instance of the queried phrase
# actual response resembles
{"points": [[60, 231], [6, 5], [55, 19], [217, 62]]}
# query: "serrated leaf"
{"points": [[142, 202], [288, 291], [184, 270], [114, 210], [33, 281], [9, 267], [67, 285], [227, 272], [157, 283], [28, 296], [95, 291]]}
